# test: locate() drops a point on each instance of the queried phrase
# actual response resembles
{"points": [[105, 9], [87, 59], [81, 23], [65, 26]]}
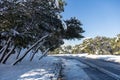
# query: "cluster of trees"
{"points": [[34, 25], [97, 45], [62, 50]]}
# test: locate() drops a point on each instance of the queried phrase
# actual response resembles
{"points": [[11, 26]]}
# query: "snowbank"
{"points": [[113, 58], [80, 55]]}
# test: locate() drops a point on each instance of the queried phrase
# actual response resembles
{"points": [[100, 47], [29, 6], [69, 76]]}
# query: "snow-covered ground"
{"points": [[48, 68], [73, 70], [45, 69]]}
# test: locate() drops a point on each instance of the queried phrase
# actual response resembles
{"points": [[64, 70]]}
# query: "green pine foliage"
{"points": [[23, 23]]}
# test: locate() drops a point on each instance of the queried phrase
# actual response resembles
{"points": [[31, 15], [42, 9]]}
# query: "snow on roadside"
{"points": [[80, 55], [73, 70], [114, 58], [45, 69]]}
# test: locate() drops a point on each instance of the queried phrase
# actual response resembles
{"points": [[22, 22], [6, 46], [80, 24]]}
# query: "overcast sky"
{"points": [[99, 17]]}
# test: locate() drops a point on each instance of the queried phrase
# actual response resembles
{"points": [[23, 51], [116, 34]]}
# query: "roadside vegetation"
{"points": [[98, 45]]}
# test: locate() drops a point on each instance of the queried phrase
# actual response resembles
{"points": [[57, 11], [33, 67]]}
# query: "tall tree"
{"points": [[31, 22]]}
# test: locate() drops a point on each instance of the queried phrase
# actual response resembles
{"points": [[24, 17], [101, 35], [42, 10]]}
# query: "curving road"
{"points": [[99, 69]]}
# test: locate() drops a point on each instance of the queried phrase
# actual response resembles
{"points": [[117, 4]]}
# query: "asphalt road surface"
{"points": [[105, 70]]}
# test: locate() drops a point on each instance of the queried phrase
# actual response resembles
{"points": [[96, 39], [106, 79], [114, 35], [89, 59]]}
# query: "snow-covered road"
{"points": [[72, 70]]}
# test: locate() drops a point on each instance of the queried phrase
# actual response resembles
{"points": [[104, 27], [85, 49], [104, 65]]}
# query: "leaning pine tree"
{"points": [[35, 24]]}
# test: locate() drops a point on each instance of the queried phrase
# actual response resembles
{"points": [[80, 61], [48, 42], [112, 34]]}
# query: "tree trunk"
{"points": [[45, 53], [36, 51], [6, 47], [21, 58], [8, 55], [33, 55], [2, 49], [18, 53]]}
